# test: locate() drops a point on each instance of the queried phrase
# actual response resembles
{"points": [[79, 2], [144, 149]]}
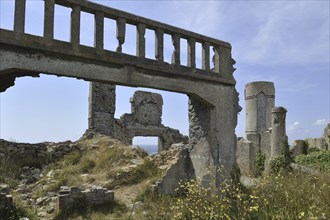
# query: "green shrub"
{"points": [[260, 162], [313, 149], [278, 163], [317, 160], [282, 162], [286, 195], [16, 211]]}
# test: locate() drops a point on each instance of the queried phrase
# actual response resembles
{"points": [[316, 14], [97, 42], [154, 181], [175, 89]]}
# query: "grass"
{"points": [[141, 172], [10, 168], [95, 162], [285, 195], [293, 195], [282, 195]]}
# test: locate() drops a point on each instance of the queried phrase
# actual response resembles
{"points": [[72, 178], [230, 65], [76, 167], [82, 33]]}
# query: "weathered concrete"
{"points": [[213, 90], [279, 138], [246, 157]]}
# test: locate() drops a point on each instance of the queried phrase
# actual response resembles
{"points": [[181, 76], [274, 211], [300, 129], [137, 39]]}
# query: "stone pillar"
{"points": [[246, 157], [259, 102], [278, 131], [212, 134], [102, 105]]}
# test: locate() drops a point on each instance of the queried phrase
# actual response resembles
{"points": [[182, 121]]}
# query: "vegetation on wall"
{"points": [[282, 162], [260, 162]]}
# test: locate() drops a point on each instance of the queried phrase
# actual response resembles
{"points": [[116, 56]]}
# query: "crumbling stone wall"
{"points": [[322, 143], [94, 196], [102, 99], [199, 120], [47, 150], [299, 147], [146, 109], [180, 170], [144, 119]]}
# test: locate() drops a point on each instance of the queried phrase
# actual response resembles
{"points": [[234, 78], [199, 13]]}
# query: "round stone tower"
{"points": [[259, 102], [279, 139]]}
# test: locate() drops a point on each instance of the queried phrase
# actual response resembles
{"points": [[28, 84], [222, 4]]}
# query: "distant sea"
{"points": [[151, 149]]}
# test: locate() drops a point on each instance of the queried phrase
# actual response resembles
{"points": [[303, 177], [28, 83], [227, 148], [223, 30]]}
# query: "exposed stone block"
{"points": [[94, 196]]}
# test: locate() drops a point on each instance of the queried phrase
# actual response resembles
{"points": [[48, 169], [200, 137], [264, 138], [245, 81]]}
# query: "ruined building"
{"points": [[144, 119], [213, 99], [265, 127]]}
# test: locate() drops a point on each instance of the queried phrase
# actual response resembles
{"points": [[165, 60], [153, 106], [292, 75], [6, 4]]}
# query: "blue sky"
{"points": [[286, 42]]}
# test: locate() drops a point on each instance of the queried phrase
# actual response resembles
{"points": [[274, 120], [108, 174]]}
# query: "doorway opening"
{"points": [[149, 144]]}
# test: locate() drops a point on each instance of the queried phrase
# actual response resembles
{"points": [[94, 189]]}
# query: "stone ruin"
{"points": [[144, 119], [94, 196], [323, 143], [265, 128]]}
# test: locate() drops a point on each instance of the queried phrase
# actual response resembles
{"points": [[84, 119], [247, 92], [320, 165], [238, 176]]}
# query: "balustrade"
{"points": [[222, 50]]}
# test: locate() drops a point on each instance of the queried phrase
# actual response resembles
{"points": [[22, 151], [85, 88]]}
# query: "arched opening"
{"points": [[149, 144]]}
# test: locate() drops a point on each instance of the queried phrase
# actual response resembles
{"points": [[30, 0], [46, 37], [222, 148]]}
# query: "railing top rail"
{"points": [[112, 13]]}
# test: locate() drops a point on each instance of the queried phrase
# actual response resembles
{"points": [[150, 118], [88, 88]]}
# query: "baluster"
{"points": [[49, 19], [19, 20], [159, 44], [140, 40], [176, 52], [99, 30], [192, 53], [206, 56], [216, 59], [121, 26], [75, 25]]}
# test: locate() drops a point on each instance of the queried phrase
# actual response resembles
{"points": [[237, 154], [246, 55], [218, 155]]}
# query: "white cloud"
{"points": [[321, 122], [294, 126], [288, 35], [272, 33]]}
